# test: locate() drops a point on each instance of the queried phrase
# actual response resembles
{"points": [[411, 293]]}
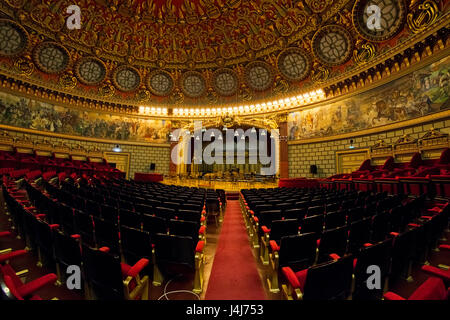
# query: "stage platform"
{"points": [[228, 186]]}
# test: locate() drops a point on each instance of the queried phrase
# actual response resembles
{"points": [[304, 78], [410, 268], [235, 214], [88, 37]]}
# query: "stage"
{"points": [[228, 186]]}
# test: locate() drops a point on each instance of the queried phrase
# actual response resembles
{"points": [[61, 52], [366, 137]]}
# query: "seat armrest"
{"points": [[104, 249], [200, 246], [138, 267], [291, 277], [274, 246], [7, 256], [334, 256], [265, 229], [37, 284], [392, 296]]}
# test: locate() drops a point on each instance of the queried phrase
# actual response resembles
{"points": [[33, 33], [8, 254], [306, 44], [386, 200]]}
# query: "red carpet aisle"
{"points": [[234, 274]]}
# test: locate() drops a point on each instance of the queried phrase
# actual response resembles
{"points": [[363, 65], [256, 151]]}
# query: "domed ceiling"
{"points": [[198, 52]]}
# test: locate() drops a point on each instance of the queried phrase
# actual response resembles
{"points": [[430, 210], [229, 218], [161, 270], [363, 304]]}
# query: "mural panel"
{"points": [[31, 114], [417, 94]]}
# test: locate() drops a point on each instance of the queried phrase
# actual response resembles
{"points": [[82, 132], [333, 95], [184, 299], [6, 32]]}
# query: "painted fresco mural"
{"points": [[417, 94], [31, 114]]}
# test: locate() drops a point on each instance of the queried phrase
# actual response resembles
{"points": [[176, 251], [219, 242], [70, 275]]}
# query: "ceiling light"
{"points": [[117, 148]]}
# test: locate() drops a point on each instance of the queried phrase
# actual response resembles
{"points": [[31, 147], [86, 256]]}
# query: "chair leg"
{"points": [[272, 279], [198, 278], [157, 276], [264, 250]]}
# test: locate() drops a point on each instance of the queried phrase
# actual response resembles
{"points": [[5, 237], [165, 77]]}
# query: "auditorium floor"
{"points": [[403, 287]]}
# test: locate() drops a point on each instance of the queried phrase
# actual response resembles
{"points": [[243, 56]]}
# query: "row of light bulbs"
{"points": [[153, 111], [300, 100]]}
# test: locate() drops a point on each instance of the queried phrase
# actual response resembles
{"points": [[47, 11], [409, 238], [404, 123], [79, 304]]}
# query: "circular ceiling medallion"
{"points": [[160, 83], [259, 75], [378, 20], [193, 84], [332, 45], [90, 70], [51, 57], [225, 82], [126, 78], [13, 38], [294, 64]]}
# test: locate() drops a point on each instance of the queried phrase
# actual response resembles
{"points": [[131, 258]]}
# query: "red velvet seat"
{"points": [[432, 289], [327, 281], [21, 291]]}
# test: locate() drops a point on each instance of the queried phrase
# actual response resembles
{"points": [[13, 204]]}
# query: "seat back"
{"points": [[335, 219], [84, 226], [189, 215], [153, 224], [283, 228], [295, 213], [103, 274], [136, 244], [174, 250], [184, 228], [333, 241], [312, 224], [266, 217], [106, 234], [130, 219], [314, 211], [359, 234], [330, 280], [298, 251], [379, 255]]}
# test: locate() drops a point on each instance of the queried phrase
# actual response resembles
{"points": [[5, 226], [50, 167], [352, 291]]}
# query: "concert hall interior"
{"points": [[224, 150]]}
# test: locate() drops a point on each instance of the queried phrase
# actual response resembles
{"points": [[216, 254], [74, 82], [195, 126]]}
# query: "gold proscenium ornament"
{"points": [[319, 73], [425, 16], [364, 54]]}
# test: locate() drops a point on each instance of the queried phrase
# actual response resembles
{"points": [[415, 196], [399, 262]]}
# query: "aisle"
{"points": [[234, 274]]}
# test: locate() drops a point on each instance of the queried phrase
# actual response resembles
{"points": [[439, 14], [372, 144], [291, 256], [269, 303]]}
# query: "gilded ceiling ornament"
{"points": [[90, 70], [143, 95], [225, 82], [294, 64], [211, 96], [259, 75], [244, 93], [14, 38], [392, 18], [49, 16], [67, 80], [107, 90], [425, 15], [160, 82], [193, 84], [126, 78], [317, 6], [365, 53], [319, 73], [177, 97], [281, 86], [16, 4], [51, 57], [332, 45], [24, 65]]}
